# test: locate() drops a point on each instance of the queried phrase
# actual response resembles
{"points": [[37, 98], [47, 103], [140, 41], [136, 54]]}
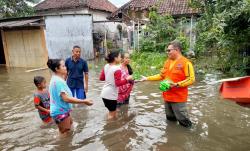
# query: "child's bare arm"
{"points": [[38, 106], [42, 108], [73, 100]]}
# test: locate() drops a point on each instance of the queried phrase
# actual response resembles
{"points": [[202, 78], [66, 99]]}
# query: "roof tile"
{"points": [[104, 5], [172, 7]]}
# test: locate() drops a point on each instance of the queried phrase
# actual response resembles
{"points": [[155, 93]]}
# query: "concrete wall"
{"points": [[99, 15], [63, 32], [63, 12], [25, 48], [110, 27]]}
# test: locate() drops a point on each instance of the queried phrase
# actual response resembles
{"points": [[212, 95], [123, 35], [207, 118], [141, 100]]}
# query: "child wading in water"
{"points": [[111, 74], [125, 90], [61, 97], [41, 99]]}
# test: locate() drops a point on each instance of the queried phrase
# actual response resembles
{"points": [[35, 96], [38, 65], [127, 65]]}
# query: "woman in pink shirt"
{"points": [[125, 90], [111, 74]]}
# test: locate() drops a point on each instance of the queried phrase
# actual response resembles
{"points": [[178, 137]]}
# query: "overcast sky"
{"points": [[119, 3]]}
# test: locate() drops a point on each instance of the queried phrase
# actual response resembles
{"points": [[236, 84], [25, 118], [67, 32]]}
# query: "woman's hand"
{"points": [[73, 100], [143, 78], [129, 78], [88, 102]]}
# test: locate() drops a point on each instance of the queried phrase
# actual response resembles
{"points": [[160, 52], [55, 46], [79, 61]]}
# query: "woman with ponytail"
{"points": [[61, 97], [112, 75]]}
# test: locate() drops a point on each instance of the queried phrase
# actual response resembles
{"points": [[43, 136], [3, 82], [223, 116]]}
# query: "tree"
{"points": [[224, 31], [160, 31], [15, 8]]}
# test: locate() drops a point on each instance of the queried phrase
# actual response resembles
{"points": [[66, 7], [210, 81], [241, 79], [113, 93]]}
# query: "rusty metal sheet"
{"points": [[18, 23]]}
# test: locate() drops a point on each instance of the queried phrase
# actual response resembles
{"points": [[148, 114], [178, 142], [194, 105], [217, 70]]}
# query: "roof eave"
{"points": [[68, 8]]}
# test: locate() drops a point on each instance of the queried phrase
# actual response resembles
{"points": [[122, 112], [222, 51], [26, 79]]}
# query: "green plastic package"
{"points": [[164, 85], [136, 76]]}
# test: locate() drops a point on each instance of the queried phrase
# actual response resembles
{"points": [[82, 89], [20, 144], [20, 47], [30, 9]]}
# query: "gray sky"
{"points": [[118, 3]]}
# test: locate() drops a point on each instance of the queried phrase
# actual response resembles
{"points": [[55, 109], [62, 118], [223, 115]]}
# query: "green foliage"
{"points": [[150, 63], [224, 30], [184, 42], [15, 8], [110, 44], [147, 63], [160, 31]]}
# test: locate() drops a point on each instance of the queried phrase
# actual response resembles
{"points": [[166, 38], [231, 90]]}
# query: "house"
{"points": [[139, 9], [29, 41], [136, 12], [99, 9]]}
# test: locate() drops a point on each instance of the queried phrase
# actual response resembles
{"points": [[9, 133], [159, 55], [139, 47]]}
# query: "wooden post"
{"points": [[191, 32], [46, 55], [133, 35], [5, 49], [105, 43], [138, 35]]}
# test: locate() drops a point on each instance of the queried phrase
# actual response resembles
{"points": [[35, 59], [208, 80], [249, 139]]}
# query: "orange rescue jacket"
{"points": [[176, 74]]}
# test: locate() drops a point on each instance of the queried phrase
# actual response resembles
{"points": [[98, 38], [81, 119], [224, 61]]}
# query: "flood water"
{"points": [[218, 125]]}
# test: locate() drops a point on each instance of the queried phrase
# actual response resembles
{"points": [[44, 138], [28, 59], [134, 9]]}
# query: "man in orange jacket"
{"points": [[180, 71]]}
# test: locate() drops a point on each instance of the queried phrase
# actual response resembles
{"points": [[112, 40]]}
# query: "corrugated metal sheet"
{"points": [[18, 23], [63, 32]]}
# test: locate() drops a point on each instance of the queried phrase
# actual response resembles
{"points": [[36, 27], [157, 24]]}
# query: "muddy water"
{"points": [[218, 125]]}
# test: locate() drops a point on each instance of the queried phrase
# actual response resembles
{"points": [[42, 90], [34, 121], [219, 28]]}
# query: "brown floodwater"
{"points": [[218, 125]]}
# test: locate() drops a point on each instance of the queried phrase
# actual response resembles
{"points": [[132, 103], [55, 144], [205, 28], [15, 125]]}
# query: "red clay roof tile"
{"points": [[172, 7], [103, 5]]}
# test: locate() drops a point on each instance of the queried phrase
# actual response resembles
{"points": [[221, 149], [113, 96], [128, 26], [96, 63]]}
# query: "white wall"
{"points": [[63, 32], [99, 15], [110, 27], [61, 12]]}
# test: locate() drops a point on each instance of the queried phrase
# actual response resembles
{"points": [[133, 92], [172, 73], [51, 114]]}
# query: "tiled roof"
{"points": [[142, 4], [176, 7], [103, 5], [173, 7]]}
